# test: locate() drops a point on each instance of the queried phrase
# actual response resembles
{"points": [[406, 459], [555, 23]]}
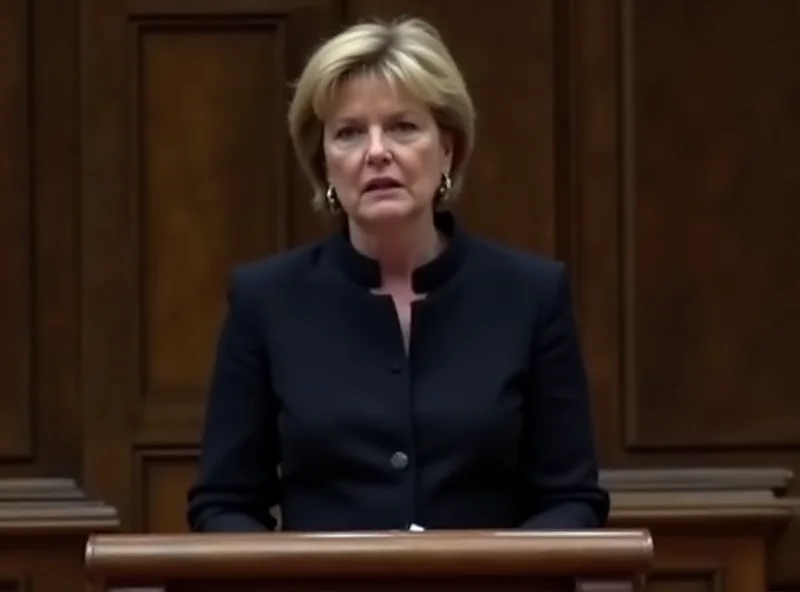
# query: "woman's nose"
{"points": [[377, 148]]}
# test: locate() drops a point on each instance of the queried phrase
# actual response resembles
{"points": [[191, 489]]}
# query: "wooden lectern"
{"points": [[463, 561]]}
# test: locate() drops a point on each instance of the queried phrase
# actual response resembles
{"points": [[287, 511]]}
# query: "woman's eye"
{"points": [[405, 126], [346, 133]]}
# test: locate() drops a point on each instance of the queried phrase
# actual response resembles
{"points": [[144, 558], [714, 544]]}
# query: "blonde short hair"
{"points": [[409, 52]]}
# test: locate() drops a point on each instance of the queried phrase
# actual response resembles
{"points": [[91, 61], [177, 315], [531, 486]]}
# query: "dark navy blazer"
{"points": [[314, 405]]}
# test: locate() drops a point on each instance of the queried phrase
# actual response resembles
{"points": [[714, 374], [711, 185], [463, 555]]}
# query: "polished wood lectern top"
{"points": [[466, 561]]}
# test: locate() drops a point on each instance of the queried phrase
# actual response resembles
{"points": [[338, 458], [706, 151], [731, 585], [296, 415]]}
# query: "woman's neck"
{"points": [[399, 251]]}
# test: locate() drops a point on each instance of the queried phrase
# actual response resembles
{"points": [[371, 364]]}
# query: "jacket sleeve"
{"points": [[237, 481], [561, 474]]}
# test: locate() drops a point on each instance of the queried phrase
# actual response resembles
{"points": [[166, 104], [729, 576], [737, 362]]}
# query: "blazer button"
{"points": [[397, 365], [399, 460]]}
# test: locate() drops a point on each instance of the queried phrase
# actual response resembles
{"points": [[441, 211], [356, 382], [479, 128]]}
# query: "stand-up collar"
{"points": [[366, 271]]}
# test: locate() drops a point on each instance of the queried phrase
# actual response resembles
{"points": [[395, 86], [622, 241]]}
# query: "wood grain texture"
{"points": [[39, 165], [711, 219], [378, 560], [686, 209], [712, 529], [184, 183], [51, 507], [44, 525], [207, 199], [420, 585], [16, 264]]}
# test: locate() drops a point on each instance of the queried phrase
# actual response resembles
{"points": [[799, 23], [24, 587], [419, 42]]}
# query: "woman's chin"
{"points": [[386, 210]]}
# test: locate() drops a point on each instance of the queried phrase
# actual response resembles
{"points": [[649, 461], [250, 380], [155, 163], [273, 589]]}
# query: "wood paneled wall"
{"points": [[650, 143]]}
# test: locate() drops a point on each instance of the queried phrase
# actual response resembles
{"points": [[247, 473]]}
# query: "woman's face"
{"points": [[384, 153]]}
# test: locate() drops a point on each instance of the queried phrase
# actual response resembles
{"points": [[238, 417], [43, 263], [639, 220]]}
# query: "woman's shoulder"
{"points": [[501, 260], [275, 269], [530, 282]]}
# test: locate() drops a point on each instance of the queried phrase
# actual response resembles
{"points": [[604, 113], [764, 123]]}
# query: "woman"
{"points": [[401, 373]]}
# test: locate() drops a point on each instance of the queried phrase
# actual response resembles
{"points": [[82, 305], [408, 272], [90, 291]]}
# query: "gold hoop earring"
{"points": [[444, 189], [332, 200]]}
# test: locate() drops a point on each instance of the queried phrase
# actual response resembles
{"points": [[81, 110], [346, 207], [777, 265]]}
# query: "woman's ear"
{"points": [[446, 140]]}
